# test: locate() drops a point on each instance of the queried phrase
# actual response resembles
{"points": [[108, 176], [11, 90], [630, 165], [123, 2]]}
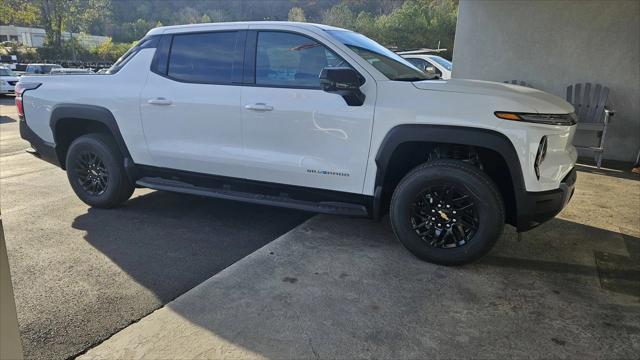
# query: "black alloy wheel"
{"points": [[95, 168], [92, 174], [444, 217], [447, 212]]}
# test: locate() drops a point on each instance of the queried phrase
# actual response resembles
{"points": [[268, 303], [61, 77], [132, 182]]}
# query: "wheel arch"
{"points": [[492, 143], [68, 121]]}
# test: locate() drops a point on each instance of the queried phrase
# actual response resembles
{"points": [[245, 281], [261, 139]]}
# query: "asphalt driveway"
{"points": [[81, 274]]}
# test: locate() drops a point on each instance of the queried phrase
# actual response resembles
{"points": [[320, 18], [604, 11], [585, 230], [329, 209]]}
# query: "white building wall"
{"points": [[555, 43], [35, 37]]}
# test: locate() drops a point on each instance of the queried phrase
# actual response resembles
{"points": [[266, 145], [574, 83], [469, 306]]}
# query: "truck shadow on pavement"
{"points": [[6, 119], [170, 242], [344, 288]]}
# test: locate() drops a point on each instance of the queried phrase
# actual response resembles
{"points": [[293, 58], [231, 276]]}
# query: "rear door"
{"points": [[190, 105], [295, 133]]}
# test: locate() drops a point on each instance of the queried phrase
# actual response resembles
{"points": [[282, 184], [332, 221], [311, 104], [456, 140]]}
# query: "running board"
{"points": [[336, 208]]}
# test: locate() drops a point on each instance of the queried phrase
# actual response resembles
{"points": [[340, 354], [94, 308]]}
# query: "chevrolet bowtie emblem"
{"points": [[443, 215]]}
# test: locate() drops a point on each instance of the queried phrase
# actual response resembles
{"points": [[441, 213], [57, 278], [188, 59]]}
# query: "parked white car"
{"points": [[8, 81], [430, 64], [41, 68], [69, 71], [310, 117]]}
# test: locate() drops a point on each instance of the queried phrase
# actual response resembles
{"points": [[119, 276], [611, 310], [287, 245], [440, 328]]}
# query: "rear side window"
{"points": [[203, 57], [147, 42]]}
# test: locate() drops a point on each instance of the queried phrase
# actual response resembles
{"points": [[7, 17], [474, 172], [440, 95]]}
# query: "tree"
{"points": [[70, 15], [421, 23], [188, 15], [18, 12], [109, 51], [365, 23], [218, 15], [339, 15], [296, 14]]}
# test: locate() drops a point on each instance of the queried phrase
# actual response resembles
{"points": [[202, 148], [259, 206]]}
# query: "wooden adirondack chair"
{"points": [[518, 82], [593, 114]]}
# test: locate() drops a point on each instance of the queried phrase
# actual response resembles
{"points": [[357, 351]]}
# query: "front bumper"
{"points": [[7, 88], [537, 207], [44, 150]]}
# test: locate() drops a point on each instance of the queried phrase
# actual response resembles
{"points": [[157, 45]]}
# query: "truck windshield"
{"points": [[442, 61], [384, 60], [6, 72]]}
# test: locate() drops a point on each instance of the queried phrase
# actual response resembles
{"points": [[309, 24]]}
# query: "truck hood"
{"points": [[537, 100]]}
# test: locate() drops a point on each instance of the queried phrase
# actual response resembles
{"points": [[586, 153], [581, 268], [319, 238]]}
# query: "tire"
{"points": [[103, 184], [462, 235]]}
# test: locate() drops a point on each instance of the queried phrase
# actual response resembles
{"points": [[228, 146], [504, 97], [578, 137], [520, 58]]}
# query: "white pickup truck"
{"points": [[309, 117]]}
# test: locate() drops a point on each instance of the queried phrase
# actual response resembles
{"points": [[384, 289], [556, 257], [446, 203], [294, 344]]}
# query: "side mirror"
{"points": [[431, 72], [343, 81]]}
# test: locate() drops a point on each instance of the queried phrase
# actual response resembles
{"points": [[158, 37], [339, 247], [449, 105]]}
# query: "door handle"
{"points": [[259, 107], [160, 101]]}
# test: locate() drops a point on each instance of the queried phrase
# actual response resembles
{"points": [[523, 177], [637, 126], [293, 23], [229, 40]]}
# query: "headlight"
{"points": [[549, 119]]}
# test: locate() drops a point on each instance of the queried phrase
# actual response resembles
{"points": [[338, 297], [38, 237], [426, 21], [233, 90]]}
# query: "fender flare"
{"points": [[483, 138], [80, 112]]}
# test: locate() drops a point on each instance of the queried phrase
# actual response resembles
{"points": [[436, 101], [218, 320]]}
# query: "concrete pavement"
{"points": [[344, 288], [82, 274]]}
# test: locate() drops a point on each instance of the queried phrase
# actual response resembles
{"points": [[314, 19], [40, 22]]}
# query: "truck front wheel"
{"points": [[96, 172], [447, 212]]}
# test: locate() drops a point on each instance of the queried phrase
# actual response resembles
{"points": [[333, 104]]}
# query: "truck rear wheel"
{"points": [[96, 172], [447, 212]]}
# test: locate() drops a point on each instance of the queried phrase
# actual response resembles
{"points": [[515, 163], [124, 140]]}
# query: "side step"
{"points": [[336, 208]]}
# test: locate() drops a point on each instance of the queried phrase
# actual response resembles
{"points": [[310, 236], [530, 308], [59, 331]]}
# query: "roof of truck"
{"points": [[302, 25]]}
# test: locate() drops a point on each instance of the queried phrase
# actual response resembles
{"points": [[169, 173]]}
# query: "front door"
{"points": [[190, 108], [295, 133]]}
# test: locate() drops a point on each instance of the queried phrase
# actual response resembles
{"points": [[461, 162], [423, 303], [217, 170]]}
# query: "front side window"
{"points": [[384, 60], [426, 66], [419, 63], [47, 68], [203, 57], [286, 59]]}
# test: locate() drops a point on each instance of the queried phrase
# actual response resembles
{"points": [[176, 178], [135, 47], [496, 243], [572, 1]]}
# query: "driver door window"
{"points": [[290, 60]]}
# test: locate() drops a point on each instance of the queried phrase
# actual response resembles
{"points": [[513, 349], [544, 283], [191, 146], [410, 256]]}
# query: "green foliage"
{"points": [[339, 15], [413, 24], [109, 51], [57, 16], [297, 14], [24, 53], [18, 12], [397, 23]]}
